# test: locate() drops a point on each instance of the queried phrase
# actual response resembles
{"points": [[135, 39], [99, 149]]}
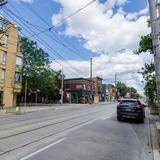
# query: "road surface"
{"points": [[89, 132]]}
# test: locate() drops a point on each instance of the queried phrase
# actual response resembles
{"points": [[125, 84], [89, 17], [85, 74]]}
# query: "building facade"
{"points": [[108, 92], [97, 83], [77, 90], [10, 63]]}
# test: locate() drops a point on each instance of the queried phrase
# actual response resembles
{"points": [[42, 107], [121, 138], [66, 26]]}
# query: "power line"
{"points": [[59, 55], [65, 18], [43, 42], [58, 40], [3, 2]]}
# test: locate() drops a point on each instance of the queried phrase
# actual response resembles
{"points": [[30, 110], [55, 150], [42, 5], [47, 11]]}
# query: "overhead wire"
{"points": [[58, 54], [64, 19], [42, 42], [60, 39]]}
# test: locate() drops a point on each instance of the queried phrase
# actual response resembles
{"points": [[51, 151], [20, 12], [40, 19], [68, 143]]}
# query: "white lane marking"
{"points": [[42, 149], [108, 116]]}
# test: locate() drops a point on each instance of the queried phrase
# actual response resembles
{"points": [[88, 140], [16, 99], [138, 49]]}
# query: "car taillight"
{"points": [[118, 105]]}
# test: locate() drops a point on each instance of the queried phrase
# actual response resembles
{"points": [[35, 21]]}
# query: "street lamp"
{"points": [[37, 94]]}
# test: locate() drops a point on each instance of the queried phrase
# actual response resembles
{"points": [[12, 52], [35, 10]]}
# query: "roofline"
{"points": [[69, 79], [9, 23]]}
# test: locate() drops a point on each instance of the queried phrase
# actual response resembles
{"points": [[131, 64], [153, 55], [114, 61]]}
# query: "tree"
{"points": [[133, 92], [145, 44], [148, 71], [123, 89], [37, 71]]}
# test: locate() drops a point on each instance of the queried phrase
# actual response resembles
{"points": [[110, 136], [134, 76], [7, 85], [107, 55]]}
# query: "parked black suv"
{"points": [[130, 108]]}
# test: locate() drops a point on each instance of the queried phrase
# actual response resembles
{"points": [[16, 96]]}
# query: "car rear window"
{"points": [[129, 103]]}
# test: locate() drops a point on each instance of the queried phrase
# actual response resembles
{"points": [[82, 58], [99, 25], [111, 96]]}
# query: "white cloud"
{"points": [[135, 15], [26, 1], [107, 32], [121, 2], [125, 64], [102, 30]]}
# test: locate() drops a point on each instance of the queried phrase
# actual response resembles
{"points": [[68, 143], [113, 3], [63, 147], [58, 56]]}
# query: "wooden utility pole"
{"points": [[91, 78], [62, 82]]}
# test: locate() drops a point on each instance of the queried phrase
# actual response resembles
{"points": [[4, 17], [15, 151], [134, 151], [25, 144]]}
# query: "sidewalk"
{"points": [[41, 107], [153, 119]]}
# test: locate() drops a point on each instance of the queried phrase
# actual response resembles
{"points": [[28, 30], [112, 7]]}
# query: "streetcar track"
{"points": [[37, 120], [44, 126], [47, 136]]}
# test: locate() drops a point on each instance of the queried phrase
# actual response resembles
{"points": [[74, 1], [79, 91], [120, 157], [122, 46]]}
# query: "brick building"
{"points": [[10, 63], [78, 90], [98, 86]]}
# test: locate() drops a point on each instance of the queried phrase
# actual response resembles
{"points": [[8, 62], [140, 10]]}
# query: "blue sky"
{"points": [[49, 7], [46, 9], [107, 30]]}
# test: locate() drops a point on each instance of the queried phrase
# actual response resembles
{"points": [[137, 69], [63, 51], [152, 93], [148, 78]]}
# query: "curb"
{"points": [[154, 136]]}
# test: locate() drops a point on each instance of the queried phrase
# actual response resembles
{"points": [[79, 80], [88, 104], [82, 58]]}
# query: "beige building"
{"points": [[10, 63]]}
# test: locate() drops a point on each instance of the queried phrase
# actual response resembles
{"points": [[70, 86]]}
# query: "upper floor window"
{"points": [[4, 40], [4, 57], [78, 86], [18, 77], [19, 61], [3, 74]]}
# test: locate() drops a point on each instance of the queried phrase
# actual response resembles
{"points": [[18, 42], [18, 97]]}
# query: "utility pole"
{"points": [[62, 79], [3, 2], [25, 94], [155, 29], [91, 78]]}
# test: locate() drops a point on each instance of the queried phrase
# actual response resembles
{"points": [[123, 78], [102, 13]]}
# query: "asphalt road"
{"points": [[89, 132]]}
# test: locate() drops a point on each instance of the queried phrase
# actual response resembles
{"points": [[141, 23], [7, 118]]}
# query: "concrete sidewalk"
{"points": [[153, 119]]}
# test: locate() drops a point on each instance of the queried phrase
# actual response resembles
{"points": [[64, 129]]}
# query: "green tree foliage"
{"points": [[133, 92], [124, 89], [148, 73], [145, 44], [34, 58], [37, 71]]}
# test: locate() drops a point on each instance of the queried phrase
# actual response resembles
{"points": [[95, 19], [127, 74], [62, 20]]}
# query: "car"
{"points": [[130, 108]]}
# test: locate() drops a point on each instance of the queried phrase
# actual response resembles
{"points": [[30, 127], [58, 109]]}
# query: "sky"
{"points": [[108, 31]]}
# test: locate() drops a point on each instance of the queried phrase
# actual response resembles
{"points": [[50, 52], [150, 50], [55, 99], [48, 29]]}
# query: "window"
{"points": [[79, 86], [4, 40], [67, 86], [3, 75], [3, 23], [18, 61], [18, 77], [4, 57]]}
